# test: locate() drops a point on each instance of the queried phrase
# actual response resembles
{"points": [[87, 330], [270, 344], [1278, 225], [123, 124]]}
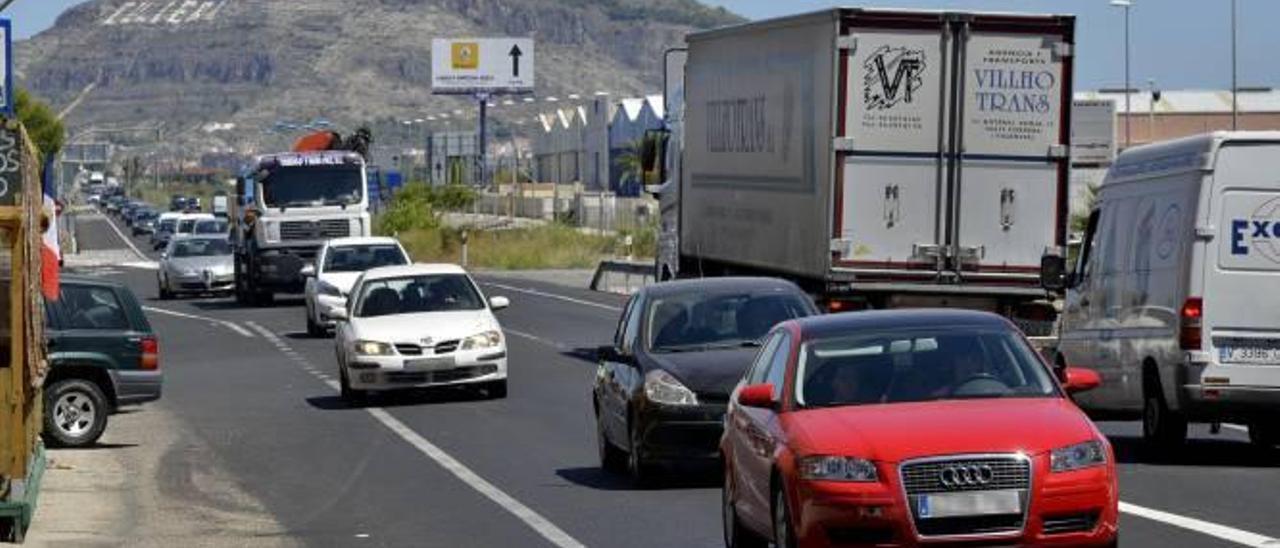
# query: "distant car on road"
{"points": [[908, 427], [417, 326], [166, 224], [187, 224], [679, 349], [144, 222], [338, 264], [194, 265], [104, 356], [212, 226], [177, 202]]}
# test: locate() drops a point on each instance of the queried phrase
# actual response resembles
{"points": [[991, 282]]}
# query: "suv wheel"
{"points": [[75, 413]]}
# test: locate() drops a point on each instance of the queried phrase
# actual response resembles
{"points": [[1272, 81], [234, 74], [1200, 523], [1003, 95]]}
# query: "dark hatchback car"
{"points": [[662, 387], [104, 356]]}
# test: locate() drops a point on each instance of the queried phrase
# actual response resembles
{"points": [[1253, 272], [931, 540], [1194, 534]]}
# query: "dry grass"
{"points": [[547, 247]]}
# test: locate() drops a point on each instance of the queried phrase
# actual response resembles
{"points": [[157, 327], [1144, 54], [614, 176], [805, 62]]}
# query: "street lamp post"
{"points": [[1128, 112], [1235, 105]]}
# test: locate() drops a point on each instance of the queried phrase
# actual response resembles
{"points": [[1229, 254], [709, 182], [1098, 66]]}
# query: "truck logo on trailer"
{"points": [[1260, 232], [893, 76]]}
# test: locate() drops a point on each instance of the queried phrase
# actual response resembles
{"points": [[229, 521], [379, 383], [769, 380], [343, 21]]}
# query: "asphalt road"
{"points": [[446, 468]]}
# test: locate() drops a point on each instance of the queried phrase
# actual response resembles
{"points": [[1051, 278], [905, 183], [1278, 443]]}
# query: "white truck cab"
{"points": [[1173, 298]]}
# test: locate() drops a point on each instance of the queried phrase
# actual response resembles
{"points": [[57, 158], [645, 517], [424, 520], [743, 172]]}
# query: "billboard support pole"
{"points": [[483, 154]]}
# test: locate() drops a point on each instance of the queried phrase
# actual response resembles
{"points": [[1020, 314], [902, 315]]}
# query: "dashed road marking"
{"points": [[534, 520], [224, 323], [537, 339], [535, 292]]}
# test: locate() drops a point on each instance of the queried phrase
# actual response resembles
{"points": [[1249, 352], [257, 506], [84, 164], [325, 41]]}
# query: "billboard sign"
{"points": [[1093, 131], [465, 66]]}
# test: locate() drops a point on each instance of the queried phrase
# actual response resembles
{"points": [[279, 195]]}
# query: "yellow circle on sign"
{"points": [[466, 55]]}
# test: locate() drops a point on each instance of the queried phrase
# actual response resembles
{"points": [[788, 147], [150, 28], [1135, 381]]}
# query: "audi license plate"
{"points": [[976, 503], [430, 364], [1249, 351]]}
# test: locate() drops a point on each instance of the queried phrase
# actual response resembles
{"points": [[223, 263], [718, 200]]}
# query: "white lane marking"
{"points": [[224, 323], [534, 520], [1230, 534], [531, 518], [1236, 427], [126, 240], [536, 339], [553, 296], [142, 265]]}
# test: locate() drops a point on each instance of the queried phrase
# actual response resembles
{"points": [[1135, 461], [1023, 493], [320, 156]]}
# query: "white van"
{"points": [[1174, 299]]}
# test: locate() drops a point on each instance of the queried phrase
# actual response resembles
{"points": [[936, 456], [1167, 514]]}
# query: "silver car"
{"points": [[196, 264]]}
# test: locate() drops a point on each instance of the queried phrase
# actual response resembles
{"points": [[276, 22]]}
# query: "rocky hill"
{"points": [[192, 63]]}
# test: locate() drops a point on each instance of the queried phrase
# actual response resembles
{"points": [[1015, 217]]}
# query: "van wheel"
{"points": [[1263, 435], [1162, 428], [75, 413]]}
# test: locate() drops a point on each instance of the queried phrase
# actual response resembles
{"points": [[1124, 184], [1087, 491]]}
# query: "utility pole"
{"points": [[1128, 92]]}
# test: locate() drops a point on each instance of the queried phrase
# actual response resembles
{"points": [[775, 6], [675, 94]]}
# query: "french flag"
{"points": [[50, 253]]}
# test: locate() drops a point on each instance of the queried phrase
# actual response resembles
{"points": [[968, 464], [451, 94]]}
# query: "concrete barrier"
{"points": [[622, 277]]}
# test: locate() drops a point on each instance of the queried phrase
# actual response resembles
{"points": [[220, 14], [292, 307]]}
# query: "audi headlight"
{"points": [[830, 468], [661, 387], [373, 348], [1079, 456], [488, 339]]}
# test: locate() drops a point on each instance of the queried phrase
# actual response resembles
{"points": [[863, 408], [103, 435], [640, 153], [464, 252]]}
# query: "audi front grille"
{"points": [[967, 474]]}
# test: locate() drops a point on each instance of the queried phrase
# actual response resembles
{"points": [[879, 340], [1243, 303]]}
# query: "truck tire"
{"points": [[75, 413]]}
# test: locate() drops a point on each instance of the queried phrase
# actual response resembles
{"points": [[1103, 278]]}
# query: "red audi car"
{"points": [[904, 428]]}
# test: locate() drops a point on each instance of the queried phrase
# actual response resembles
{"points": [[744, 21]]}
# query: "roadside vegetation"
{"points": [[414, 217]]}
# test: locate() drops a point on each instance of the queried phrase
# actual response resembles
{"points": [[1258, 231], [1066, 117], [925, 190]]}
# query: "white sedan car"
{"points": [[416, 326], [338, 264]]}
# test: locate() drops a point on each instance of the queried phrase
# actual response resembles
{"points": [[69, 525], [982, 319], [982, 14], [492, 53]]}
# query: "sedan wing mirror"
{"points": [[499, 303], [337, 314], [757, 395], [1079, 379]]}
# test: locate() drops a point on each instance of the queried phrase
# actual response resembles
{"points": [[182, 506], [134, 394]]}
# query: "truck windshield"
{"points": [[312, 186]]}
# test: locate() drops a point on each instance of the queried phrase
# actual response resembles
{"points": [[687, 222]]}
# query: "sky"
{"points": [[1181, 44]]}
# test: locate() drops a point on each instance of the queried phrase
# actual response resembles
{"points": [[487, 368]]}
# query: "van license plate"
{"points": [[1249, 351], [982, 503]]}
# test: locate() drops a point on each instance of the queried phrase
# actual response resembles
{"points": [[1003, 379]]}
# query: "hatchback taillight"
{"points": [[1192, 316], [150, 357]]}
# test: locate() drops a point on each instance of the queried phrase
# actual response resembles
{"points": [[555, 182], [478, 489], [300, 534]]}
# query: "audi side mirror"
{"points": [[1079, 379]]}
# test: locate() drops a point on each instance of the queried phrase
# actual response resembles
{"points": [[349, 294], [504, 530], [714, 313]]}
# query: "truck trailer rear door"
{"points": [[890, 174], [1009, 183]]}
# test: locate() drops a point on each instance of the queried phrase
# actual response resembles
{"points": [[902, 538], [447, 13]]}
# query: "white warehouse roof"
{"points": [[1191, 101]]}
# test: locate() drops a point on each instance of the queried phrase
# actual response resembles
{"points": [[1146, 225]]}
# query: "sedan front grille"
{"points": [[447, 347], [966, 476], [408, 349], [926, 477]]}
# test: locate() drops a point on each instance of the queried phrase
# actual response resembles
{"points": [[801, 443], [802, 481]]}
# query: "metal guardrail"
{"points": [[632, 272]]}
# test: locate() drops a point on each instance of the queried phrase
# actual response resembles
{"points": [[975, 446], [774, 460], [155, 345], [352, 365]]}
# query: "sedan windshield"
{"points": [[413, 294], [359, 258], [201, 248], [918, 365], [699, 321]]}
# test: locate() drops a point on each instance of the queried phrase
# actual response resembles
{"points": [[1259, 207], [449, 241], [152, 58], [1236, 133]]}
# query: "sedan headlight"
{"points": [[1077, 457], [661, 387], [328, 290], [373, 348], [832, 468], [488, 339]]}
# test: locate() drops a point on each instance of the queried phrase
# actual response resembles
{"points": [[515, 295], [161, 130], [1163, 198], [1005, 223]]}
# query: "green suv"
{"points": [[104, 355]]}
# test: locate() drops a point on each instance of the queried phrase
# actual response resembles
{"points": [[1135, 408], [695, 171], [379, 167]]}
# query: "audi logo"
{"points": [[966, 475]]}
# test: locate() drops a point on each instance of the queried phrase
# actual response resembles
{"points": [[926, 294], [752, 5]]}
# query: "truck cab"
{"points": [[287, 205]]}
